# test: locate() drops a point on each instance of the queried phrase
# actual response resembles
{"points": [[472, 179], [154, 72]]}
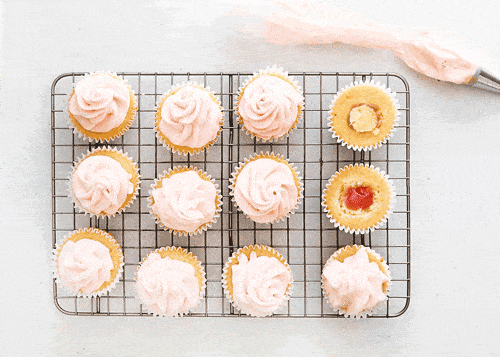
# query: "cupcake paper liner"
{"points": [[261, 250], [381, 262], [109, 241], [113, 133], [277, 72], [165, 141], [129, 200], [382, 220], [278, 158], [183, 255], [204, 176], [384, 89]]}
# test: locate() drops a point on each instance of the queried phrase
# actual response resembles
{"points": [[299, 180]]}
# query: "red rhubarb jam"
{"points": [[360, 197]]}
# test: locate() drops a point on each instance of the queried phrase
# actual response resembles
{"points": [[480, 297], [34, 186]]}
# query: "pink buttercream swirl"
{"points": [[84, 265], [167, 286], [100, 102], [190, 117], [269, 106], [100, 184], [265, 190], [259, 284], [185, 202], [354, 285]]}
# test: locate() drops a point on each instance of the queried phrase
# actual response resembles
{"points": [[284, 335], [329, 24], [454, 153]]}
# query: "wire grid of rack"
{"points": [[306, 239]]}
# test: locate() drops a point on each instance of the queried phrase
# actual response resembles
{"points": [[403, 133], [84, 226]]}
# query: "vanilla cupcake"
{"points": [[358, 198], [104, 182], [88, 262], [189, 118], [185, 201], [257, 280], [269, 104], [102, 107], [363, 115], [266, 188], [170, 281], [355, 280]]}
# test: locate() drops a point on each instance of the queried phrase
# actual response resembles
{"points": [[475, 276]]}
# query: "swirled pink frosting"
{"points": [[101, 184], [269, 106], [185, 201], [354, 285], [84, 265], [259, 284], [190, 117], [167, 286], [100, 102], [265, 190]]}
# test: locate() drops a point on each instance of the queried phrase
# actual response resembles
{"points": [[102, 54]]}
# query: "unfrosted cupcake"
{"points": [[257, 280], [104, 182], [170, 281], [189, 118], [102, 107], [185, 200], [88, 262], [358, 198], [270, 104], [363, 115], [355, 279], [266, 188]]}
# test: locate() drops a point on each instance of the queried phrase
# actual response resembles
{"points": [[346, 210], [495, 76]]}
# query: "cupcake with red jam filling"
{"points": [[358, 198]]}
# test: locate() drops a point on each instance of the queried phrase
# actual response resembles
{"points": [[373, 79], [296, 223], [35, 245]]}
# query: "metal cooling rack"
{"points": [[306, 239]]}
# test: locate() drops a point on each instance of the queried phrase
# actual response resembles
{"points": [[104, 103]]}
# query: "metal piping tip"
{"points": [[484, 80]]}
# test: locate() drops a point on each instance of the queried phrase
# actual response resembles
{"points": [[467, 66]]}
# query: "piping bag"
{"points": [[295, 23]]}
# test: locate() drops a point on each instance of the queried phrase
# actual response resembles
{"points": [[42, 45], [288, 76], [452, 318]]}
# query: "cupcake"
{"points": [[266, 188], [269, 104], [358, 198], [354, 280], [102, 107], [170, 281], [363, 115], [104, 182], [185, 200], [189, 118], [257, 280], [89, 262]]}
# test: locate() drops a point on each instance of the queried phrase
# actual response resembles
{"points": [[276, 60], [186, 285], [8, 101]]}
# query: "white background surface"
{"points": [[455, 189]]}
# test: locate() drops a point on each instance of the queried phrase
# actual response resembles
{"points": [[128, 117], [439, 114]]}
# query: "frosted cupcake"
{"points": [[266, 188], [189, 118], [102, 107], [185, 201], [257, 280], [355, 279], [269, 104], [89, 262], [358, 198], [170, 281], [104, 182], [363, 115]]}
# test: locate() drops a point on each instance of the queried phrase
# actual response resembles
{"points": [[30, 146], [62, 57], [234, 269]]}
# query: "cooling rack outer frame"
{"points": [[306, 239]]}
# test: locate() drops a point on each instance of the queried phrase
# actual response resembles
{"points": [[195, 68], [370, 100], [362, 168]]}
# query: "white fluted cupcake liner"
{"points": [[99, 137], [278, 72], [233, 260], [184, 150], [364, 313], [384, 89], [278, 158], [112, 241], [382, 220], [170, 172], [189, 256], [74, 200]]}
